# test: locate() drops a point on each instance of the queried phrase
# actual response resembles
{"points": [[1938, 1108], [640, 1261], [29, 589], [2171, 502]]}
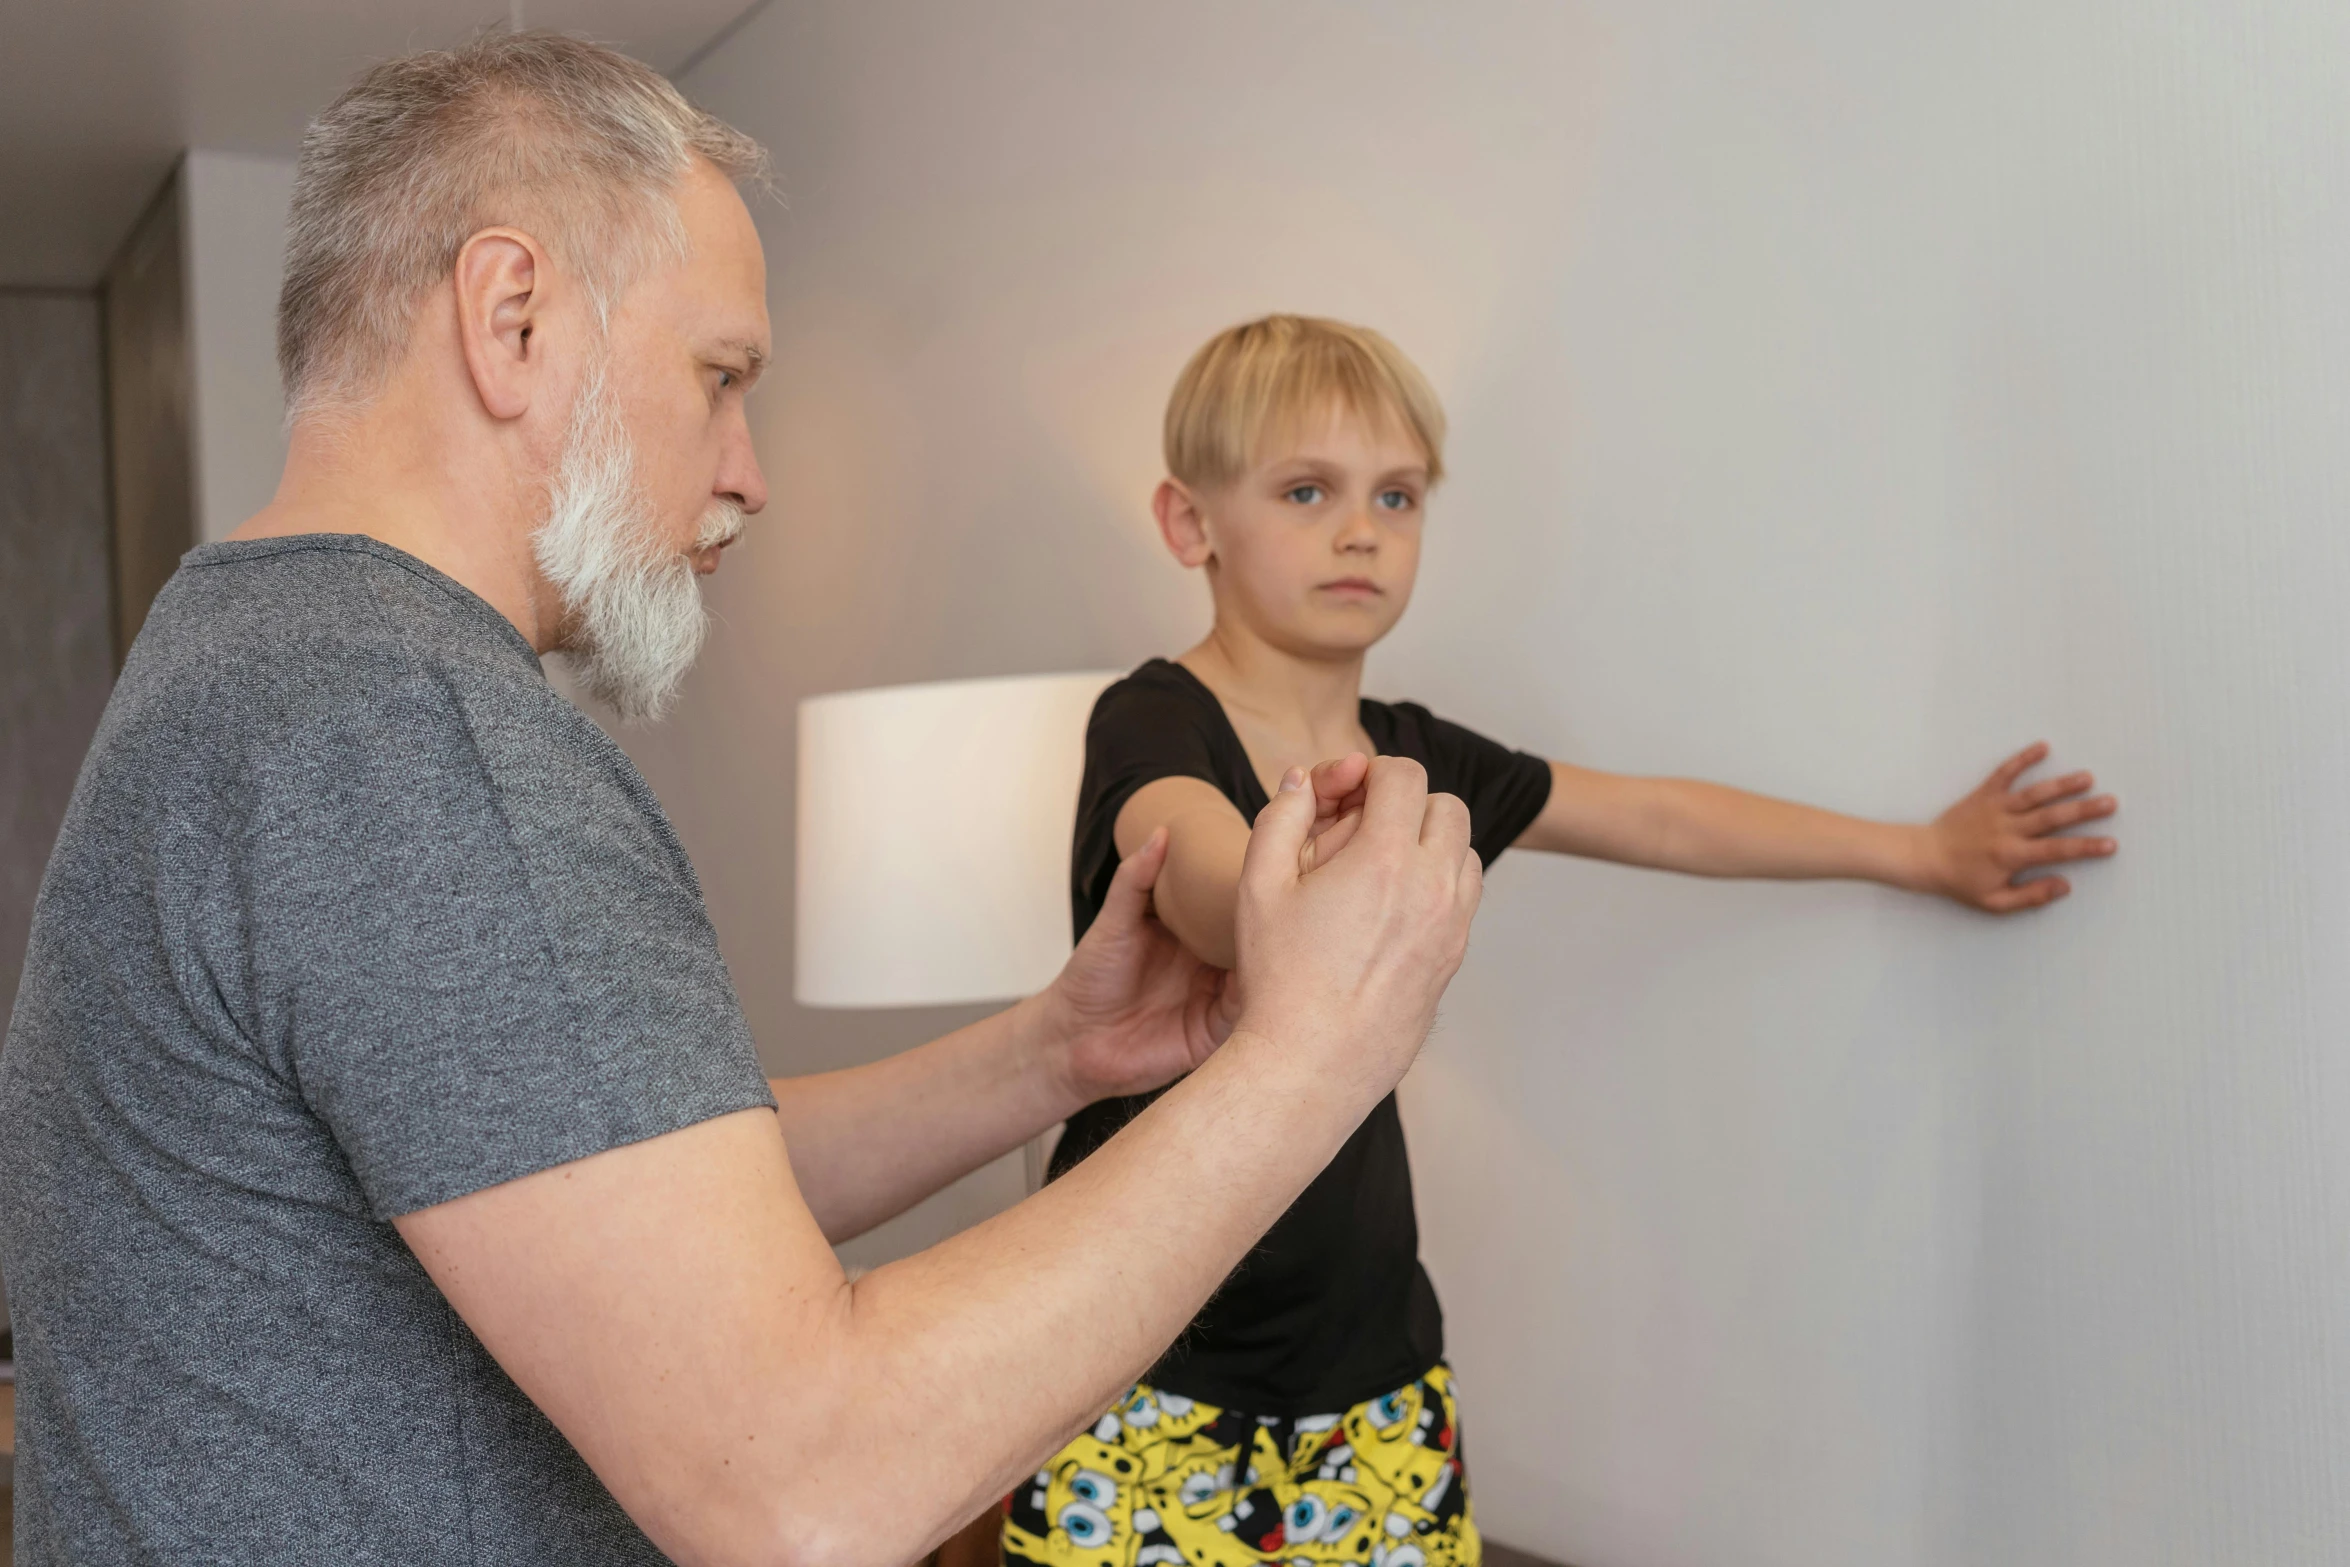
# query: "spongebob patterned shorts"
{"points": [[1163, 1479]]}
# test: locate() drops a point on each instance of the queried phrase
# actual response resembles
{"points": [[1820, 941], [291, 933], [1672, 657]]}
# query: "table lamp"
{"points": [[934, 825]]}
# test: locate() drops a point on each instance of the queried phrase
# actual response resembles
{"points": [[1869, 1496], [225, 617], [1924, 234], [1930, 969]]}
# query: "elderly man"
{"points": [[389, 1177]]}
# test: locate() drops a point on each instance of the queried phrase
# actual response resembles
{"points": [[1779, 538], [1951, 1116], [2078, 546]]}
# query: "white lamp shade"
{"points": [[934, 827]]}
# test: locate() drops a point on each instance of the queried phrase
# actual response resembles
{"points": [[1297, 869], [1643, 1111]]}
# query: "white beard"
{"points": [[632, 611]]}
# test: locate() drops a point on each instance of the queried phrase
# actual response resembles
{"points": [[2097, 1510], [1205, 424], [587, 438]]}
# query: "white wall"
{"points": [[236, 207], [1843, 395]]}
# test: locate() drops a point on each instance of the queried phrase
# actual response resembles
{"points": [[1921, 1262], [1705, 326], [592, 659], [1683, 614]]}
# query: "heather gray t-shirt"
{"points": [[352, 914]]}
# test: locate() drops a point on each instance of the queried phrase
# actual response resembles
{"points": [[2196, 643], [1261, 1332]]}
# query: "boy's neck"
{"points": [[1312, 696]]}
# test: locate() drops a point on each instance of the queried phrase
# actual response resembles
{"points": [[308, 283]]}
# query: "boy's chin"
{"points": [[1330, 637]]}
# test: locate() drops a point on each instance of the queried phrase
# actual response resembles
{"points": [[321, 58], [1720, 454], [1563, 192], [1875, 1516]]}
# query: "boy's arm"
{"points": [[1971, 853], [1207, 839]]}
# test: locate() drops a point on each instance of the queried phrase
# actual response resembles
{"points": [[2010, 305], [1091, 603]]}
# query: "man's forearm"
{"points": [[986, 1343], [869, 1142]]}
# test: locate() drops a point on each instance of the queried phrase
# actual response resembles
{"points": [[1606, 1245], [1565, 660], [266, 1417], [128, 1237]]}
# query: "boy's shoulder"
{"points": [[1156, 691]]}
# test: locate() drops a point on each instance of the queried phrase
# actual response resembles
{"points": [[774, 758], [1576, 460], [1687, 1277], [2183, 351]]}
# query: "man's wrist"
{"points": [[1045, 1031]]}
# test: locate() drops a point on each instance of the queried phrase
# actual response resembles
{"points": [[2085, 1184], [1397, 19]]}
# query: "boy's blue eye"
{"points": [[1396, 500], [1303, 494]]}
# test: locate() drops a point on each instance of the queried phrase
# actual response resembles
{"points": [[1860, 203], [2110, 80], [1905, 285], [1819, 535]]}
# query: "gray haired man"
{"points": [[388, 1176]]}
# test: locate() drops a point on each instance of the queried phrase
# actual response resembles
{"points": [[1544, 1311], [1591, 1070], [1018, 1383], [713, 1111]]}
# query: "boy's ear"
{"points": [[1181, 523]]}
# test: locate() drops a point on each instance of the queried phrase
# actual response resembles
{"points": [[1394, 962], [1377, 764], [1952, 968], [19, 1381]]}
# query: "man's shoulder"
{"points": [[284, 662], [318, 628], [283, 603]]}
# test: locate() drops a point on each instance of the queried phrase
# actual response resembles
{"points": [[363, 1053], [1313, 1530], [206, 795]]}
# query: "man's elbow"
{"points": [[799, 1504], [772, 1528]]}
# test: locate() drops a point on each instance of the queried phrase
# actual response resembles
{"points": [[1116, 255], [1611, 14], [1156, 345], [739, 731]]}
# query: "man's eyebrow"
{"points": [[753, 355]]}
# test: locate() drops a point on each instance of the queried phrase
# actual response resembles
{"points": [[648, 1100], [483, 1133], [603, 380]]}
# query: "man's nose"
{"points": [[740, 479]]}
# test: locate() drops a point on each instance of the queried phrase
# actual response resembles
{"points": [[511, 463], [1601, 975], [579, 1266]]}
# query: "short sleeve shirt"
{"points": [[351, 914], [1333, 1307]]}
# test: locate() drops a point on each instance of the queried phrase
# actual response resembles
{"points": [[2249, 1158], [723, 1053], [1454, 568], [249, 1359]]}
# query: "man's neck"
{"points": [[452, 504]]}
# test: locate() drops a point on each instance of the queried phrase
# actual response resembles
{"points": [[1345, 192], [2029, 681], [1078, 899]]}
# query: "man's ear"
{"points": [[1181, 523], [501, 280]]}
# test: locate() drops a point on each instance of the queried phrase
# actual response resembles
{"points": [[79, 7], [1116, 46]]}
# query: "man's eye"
{"points": [[1303, 494]]}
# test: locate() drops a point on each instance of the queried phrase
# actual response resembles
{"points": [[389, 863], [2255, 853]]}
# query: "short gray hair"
{"points": [[576, 144]]}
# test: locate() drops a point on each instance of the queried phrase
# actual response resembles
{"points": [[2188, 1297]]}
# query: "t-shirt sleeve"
{"points": [[1141, 731], [480, 951], [1504, 789]]}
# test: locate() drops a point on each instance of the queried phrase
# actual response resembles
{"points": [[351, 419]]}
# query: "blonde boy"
{"points": [[1308, 1413]]}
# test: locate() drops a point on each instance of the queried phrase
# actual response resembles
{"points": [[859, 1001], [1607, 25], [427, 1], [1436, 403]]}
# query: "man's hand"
{"points": [[1132, 1010], [1977, 848], [1350, 951], [1339, 790]]}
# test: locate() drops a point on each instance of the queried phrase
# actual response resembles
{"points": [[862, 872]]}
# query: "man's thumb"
{"points": [[1279, 839], [1130, 888]]}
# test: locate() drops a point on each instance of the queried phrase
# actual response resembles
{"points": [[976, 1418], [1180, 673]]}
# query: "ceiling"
{"points": [[98, 97]]}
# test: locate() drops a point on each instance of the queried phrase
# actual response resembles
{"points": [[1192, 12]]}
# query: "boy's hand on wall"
{"points": [[1977, 848]]}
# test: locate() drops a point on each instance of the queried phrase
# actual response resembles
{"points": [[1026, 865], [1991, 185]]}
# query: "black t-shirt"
{"points": [[1333, 1307]]}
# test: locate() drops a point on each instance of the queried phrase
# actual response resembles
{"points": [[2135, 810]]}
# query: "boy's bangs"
{"points": [[1300, 405], [1258, 385]]}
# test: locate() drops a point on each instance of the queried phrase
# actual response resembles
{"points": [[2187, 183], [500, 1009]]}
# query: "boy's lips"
{"points": [[1362, 586]]}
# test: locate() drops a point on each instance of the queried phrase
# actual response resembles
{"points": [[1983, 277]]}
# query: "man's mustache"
{"points": [[722, 524]]}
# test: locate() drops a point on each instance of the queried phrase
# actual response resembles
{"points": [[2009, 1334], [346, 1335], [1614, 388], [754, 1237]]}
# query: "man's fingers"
{"points": [[1469, 890], [1130, 889], [2019, 764], [1444, 826], [1395, 799], [1330, 837], [1280, 835], [1335, 781]]}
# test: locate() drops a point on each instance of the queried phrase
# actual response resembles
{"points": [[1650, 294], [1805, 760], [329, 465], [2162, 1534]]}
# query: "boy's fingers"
{"points": [[2049, 818], [2031, 895], [1395, 799], [2019, 764], [1280, 836], [2051, 851], [2048, 789]]}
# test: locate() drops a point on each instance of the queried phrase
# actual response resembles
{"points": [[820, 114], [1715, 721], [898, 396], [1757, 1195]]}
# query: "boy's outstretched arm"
{"points": [[1972, 853]]}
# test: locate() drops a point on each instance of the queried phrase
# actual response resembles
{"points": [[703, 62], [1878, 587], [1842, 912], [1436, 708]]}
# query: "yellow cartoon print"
{"points": [[1166, 1481]]}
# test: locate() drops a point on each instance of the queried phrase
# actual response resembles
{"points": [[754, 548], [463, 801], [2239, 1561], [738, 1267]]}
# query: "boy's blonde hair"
{"points": [[1254, 382]]}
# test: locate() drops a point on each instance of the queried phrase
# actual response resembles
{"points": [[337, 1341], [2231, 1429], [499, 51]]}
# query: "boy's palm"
{"points": [[1981, 845]]}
